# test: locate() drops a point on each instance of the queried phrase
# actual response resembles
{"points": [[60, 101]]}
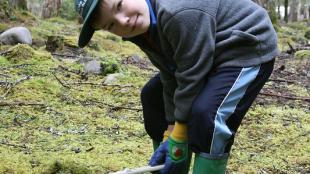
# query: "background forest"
{"points": [[64, 109]]}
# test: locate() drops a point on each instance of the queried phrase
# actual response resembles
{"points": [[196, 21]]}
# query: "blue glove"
{"points": [[173, 154]]}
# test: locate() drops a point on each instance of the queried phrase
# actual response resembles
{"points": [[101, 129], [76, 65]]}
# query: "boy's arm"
{"points": [[191, 33]]}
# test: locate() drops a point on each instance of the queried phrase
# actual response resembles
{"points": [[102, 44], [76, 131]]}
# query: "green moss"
{"points": [[302, 54], [81, 126], [21, 52], [273, 151], [3, 61], [3, 27], [71, 41], [110, 66], [307, 34]]}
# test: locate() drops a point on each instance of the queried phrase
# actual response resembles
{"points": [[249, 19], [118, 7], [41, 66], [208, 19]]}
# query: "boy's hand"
{"points": [[173, 152]]}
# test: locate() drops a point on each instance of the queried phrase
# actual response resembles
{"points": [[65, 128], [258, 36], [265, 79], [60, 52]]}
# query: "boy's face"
{"points": [[125, 18]]}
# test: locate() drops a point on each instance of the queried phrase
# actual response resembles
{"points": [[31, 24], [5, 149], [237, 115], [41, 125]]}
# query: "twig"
{"points": [[110, 105], [21, 103], [73, 56], [64, 85], [292, 50], [78, 72], [5, 75], [99, 84], [5, 52], [12, 85], [14, 145], [307, 99], [16, 66], [283, 80]]}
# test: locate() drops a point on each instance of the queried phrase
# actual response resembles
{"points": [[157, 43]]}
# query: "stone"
{"points": [[93, 67], [111, 78], [16, 35]]}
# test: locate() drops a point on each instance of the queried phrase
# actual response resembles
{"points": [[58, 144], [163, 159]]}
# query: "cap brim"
{"points": [[87, 30]]}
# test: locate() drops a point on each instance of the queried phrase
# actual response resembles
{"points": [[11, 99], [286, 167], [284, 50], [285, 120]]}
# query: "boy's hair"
{"points": [[86, 9]]}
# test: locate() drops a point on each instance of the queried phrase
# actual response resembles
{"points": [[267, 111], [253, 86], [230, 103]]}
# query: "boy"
{"points": [[214, 56]]}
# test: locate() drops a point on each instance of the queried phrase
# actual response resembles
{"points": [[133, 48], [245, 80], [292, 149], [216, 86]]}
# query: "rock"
{"points": [[92, 67], [16, 35], [112, 78]]}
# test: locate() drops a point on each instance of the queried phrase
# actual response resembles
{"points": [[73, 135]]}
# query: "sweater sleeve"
{"points": [[191, 34]]}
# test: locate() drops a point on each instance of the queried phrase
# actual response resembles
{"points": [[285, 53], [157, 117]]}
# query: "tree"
{"points": [[286, 11], [20, 4], [51, 8], [294, 10], [270, 6]]}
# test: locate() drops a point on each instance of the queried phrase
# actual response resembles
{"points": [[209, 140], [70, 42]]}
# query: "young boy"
{"points": [[214, 56]]}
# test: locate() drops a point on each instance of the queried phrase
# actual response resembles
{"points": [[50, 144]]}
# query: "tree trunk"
{"points": [[51, 8], [19, 4], [279, 9], [286, 11], [270, 6], [294, 10], [305, 11]]}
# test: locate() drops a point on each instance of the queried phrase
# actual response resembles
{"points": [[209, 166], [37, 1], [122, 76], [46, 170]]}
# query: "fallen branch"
{"points": [[5, 52], [12, 85], [110, 105], [78, 72], [284, 80], [21, 103], [291, 50], [14, 145], [72, 56], [16, 66], [286, 97], [62, 84], [99, 84]]}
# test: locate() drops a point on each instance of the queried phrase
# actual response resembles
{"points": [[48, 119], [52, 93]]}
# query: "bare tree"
{"points": [[294, 10], [51, 8], [20, 4], [286, 11], [270, 6]]}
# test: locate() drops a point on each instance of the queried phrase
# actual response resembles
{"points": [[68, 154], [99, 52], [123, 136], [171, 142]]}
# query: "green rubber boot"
{"points": [[188, 164], [203, 165]]}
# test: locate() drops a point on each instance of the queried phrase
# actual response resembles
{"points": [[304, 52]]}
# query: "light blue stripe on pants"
{"points": [[221, 131]]}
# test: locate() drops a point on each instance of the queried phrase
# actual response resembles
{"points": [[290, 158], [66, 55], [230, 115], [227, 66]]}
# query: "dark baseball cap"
{"points": [[85, 9]]}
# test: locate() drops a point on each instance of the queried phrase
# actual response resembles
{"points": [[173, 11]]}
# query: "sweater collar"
{"points": [[153, 19]]}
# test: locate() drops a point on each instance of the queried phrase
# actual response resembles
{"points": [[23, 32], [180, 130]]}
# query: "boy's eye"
{"points": [[119, 5]]}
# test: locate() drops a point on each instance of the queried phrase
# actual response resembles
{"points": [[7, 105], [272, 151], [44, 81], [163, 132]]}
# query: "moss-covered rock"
{"points": [[302, 54], [109, 67], [21, 52]]}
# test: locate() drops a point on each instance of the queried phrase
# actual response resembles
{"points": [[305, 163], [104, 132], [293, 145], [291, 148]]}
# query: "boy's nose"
{"points": [[122, 20]]}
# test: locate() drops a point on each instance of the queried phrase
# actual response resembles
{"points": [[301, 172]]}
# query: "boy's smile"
{"points": [[125, 18]]}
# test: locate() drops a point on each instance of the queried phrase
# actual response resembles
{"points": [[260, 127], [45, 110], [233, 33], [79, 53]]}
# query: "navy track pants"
{"points": [[217, 111]]}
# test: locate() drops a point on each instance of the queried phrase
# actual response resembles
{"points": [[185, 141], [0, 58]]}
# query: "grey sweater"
{"points": [[194, 36]]}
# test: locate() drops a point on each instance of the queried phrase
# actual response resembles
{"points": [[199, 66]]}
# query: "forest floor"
{"points": [[55, 118]]}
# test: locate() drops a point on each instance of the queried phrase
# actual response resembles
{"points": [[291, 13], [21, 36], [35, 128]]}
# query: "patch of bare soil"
{"points": [[289, 83]]}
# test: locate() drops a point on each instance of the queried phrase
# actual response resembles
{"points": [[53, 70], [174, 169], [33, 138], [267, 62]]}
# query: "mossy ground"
{"points": [[55, 121]]}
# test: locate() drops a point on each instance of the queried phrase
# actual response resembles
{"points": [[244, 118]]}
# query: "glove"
{"points": [[172, 152]]}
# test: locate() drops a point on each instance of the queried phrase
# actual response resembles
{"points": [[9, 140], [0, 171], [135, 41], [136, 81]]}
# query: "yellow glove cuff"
{"points": [[179, 131], [166, 135]]}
